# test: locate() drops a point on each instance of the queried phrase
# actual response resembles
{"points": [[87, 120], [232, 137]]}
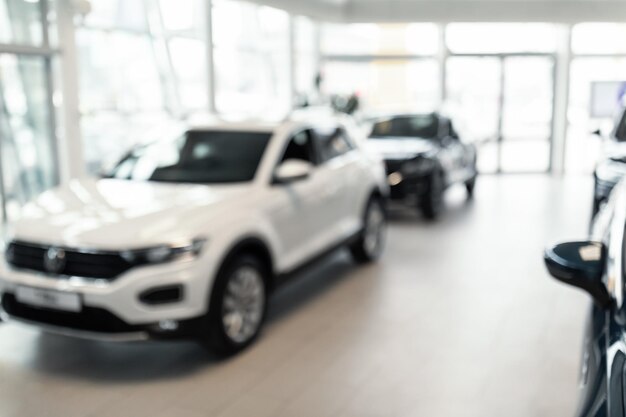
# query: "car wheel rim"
{"points": [[374, 230], [244, 303]]}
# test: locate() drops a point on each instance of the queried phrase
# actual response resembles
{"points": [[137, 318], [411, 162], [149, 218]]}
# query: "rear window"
{"points": [[420, 126]]}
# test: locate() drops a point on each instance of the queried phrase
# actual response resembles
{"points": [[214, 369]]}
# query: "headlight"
{"points": [[418, 166], [165, 253]]}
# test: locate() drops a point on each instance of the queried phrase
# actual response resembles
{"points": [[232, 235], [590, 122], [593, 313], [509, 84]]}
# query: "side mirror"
{"points": [[580, 264], [292, 170]]}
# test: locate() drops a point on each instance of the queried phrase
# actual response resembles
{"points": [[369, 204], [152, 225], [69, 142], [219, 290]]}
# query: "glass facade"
{"points": [[599, 57], [391, 67], [251, 60], [144, 66], [27, 136], [495, 80], [21, 22]]}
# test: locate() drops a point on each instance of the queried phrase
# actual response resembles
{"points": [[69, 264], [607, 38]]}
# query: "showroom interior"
{"points": [[458, 317]]}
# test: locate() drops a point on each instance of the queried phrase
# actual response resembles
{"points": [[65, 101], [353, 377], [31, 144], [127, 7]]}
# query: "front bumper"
{"points": [[114, 310], [403, 187], [92, 323]]}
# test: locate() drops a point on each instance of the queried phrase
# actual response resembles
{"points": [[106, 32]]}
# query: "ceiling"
{"points": [[564, 11]]}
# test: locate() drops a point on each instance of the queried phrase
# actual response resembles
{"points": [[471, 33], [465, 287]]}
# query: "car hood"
{"points": [[117, 214], [400, 148]]}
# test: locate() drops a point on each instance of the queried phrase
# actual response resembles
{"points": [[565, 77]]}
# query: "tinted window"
{"points": [[197, 157], [332, 144], [422, 126], [300, 147]]}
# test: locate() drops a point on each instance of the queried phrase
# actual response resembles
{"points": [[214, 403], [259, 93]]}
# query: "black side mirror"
{"points": [[580, 264]]}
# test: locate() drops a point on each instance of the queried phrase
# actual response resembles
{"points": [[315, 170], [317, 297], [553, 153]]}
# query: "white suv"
{"points": [[188, 236]]}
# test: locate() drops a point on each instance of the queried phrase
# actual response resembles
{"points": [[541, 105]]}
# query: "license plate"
{"points": [[56, 300]]}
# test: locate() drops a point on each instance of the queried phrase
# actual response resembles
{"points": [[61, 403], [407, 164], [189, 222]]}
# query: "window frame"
{"points": [[291, 136], [345, 135]]}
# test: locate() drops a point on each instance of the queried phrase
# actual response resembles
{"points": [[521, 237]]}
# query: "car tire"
{"points": [[238, 306], [371, 240], [431, 204], [470, 185]]}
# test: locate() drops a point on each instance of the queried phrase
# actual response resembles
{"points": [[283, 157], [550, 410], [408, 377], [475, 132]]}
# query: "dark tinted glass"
{"points": [[421, 126], [300, 147], [198, 157]]}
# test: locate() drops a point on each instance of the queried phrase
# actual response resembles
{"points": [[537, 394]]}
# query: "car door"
{"points": [[613, 334], [338, 158], [296, 208]]}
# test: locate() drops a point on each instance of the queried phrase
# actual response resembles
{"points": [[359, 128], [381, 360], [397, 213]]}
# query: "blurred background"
{"points": [[528, 94], [460, 319]]}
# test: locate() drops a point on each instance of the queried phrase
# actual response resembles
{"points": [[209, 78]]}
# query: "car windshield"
{"points": [[204, 157], [419, 126]]}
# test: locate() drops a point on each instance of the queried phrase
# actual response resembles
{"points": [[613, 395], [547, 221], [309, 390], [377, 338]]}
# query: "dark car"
{"points": [[597, 266], [424, 156], [612, 167]]}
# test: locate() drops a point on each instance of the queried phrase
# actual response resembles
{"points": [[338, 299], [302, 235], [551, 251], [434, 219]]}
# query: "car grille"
{"points": [[96, 265]]}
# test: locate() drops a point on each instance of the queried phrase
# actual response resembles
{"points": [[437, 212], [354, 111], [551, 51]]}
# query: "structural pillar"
{"points": [[561, 99], [70, 145]]}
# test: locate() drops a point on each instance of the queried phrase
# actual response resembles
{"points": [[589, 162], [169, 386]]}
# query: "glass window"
{"points": [[306, 55], [387, 39], [355, 39], [189, 61], [142, 64], [501, 37], [251, 60], [386, 85], [204, 157], [473, 87], [27, 155], [332, 144], [422, 38], [582, 148], [300, 147], [421, 126], [117, 72], [183, 17], [20, 22], [599, 38], [123, 14]]}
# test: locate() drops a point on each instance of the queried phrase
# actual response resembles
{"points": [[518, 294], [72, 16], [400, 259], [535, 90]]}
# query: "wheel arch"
{"points": [[256, 246]]}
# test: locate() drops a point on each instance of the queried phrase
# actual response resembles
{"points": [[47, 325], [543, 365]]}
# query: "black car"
{"points": [[612, 167], [597, 266], [423, 155]]}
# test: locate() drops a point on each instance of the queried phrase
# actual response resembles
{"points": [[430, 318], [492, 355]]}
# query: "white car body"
{"points": [[296, 222]]}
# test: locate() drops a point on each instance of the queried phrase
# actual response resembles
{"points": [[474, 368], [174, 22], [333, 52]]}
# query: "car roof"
{"points": [[396, 115], [260, 127], [293, 121]]}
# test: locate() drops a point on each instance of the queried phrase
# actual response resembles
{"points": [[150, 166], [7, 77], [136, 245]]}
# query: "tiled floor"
{"points": [[458, 320]]}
